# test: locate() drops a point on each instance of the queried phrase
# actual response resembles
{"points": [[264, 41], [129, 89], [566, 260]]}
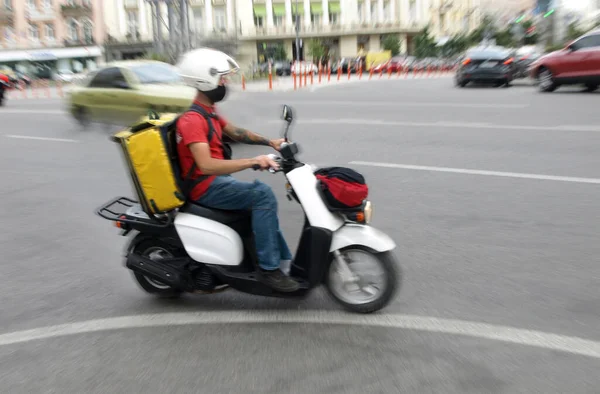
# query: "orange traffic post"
{"points": [[381, 72], [305, 75], [339, 70], [243, 82], [360, 70], [371, 71], [329, 71], [270, 77], [389, 71], [320, 70], [312, 75], [349, 71], [299, 73]]}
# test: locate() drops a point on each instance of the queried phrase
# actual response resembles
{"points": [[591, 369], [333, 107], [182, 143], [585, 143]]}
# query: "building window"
{"points": [[278, 20], [9, 35], [387, 12], [88, 31], [334, 19], [220, 18], [259, 21], [361, 12], [49, 32], [374, 11], [316, 19], [198, 21], [73, 30], [132, 23], [34, 32], [8, 4], [413, 10]]}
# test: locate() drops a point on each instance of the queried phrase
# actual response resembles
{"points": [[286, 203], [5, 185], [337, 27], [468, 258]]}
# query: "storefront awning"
{"points": [[316, 8], [49, 54], [300, 9], [279, 9], [334, 7], [260, 10]]}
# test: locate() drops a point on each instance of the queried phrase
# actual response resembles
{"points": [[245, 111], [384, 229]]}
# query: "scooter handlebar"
{"points": [[273, 157]]}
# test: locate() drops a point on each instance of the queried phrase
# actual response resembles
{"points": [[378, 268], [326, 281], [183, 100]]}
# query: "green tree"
{"points": [[505, 38], [425, 45], [279, 53], [486, 26], [316, 49], [391, 43], [573, 31], [156, 56], [455, 45]]}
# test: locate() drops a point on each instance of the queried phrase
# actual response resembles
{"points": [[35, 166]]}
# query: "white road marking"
{"points": [[449, 124], [403, 104], [480, 172], [567, 344], [29, 137], [34, 111]]}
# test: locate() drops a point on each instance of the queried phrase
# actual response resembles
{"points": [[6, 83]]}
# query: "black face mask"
{"points": [[217, 94]]}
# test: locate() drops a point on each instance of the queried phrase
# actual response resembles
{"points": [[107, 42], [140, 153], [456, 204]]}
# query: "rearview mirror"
{"points": [[287, 114]]}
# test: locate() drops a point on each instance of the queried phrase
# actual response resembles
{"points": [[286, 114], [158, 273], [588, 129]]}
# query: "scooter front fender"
{"points": [[361, 235]]}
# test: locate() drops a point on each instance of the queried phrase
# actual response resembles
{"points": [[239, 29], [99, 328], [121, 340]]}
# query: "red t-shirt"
{"points": [[193, 127]]}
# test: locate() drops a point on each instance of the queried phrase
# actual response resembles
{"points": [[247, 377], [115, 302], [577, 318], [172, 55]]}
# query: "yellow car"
{"points": [[122, 92]]}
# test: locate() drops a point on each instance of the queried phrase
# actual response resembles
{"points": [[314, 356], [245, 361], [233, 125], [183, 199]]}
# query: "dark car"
{"points": [[489, 64], [524, 57]]}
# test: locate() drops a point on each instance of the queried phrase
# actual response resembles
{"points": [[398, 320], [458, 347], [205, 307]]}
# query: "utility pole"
{"points": [[297, 34]]}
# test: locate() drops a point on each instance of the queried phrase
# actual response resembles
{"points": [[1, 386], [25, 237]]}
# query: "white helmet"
{"points": [[204, 68]]}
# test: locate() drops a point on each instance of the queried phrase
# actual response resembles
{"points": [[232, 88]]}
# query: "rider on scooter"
{"points": [[206, 70]]}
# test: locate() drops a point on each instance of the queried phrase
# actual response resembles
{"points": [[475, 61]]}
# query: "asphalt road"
{"points": [[491, 195]]}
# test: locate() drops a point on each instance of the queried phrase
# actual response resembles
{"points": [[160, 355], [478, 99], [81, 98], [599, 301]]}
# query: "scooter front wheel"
{"points": [[374, 280]]}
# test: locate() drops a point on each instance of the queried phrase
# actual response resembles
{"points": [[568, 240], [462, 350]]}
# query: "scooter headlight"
{"points": [[368, 212]]}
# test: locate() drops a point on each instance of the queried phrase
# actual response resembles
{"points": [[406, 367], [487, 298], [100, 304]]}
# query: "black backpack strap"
{"points": [[188, 183]]}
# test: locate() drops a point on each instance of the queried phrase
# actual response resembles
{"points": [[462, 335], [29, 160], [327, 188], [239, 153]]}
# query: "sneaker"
{"points": [[277, 280]]}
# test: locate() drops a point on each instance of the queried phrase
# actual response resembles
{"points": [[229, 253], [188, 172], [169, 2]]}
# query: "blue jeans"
{"points": [[227, 193]]}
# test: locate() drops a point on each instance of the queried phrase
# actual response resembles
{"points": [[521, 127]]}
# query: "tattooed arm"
{"points": [[245, 136]]}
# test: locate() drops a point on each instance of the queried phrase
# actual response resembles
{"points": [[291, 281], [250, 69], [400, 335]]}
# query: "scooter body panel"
{"points": [[362, 235], [304, 183], [209, 242]]}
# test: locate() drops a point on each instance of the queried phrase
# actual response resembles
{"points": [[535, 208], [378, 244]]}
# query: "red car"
{"points": [[394, 64], [577, 64]]}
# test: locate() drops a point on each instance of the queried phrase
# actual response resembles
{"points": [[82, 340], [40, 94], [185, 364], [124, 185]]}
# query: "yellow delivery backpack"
{"points": [[148, 153]]}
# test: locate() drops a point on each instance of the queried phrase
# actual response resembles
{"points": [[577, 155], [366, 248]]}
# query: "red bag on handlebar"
{"points": [[342, 187]]}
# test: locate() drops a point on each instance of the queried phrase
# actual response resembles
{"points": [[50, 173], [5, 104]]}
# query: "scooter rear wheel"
{"points": [[374, 288], [155, 251]]}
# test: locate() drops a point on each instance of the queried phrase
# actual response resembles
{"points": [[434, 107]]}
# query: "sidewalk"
{"points": [[285, 84]]}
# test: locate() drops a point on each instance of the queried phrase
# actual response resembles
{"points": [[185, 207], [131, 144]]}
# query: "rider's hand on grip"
{"points": [[264, 162]]}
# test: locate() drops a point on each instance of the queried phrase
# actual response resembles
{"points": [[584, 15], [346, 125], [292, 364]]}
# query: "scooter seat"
{"points": [[218, 215]]}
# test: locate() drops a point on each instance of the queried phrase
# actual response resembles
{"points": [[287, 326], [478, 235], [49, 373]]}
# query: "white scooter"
{"points": [[200, 250]]}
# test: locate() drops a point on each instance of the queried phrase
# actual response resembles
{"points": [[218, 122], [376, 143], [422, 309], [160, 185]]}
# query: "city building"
{"points": [[506, 9], [41, 36], [346, 27], [129, 28]]}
